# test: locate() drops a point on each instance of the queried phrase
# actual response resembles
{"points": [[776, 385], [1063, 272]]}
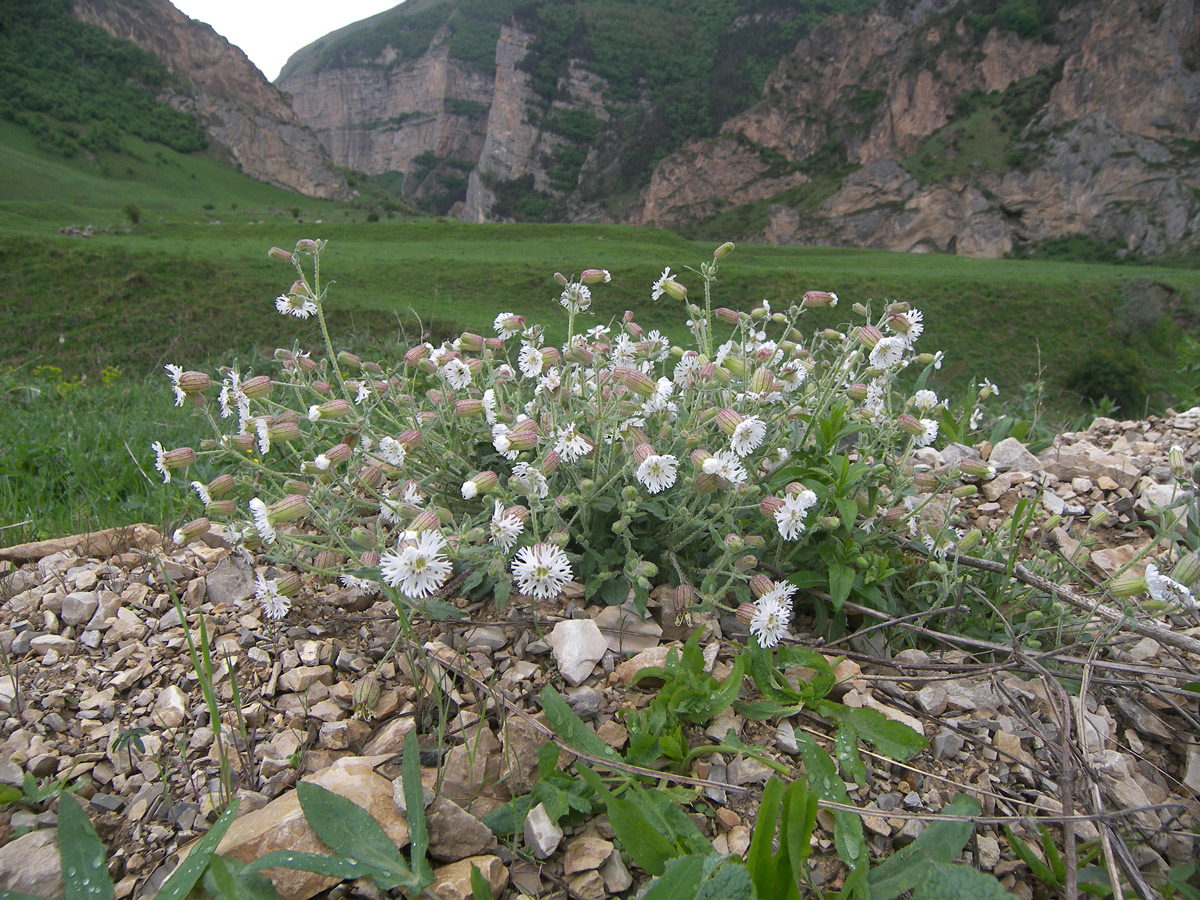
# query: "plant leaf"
{"points": [[823, 779], [349, 831], [725, 879], [841, 580], [189, 871], [317, 863], [647, 847], [893, 739], [85, 874], [679, 881], [480, 889], [845, 748], [940, 842], [570, 727], [942, 881], [414, 801]]}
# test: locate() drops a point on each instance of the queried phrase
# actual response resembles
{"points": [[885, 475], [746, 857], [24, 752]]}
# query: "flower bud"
{"points": [[469, 408], [257, 387], [479, 483], [761, 584], [335, 455], [859, 309], [220, 486], [283, 431], [289, 509], [746, 563], [733, 366], [349, 360], [762, 381], [180, 457], [746, 613], [723, 251], [910, 424], [832, 334], [326, 560], [562, 279], [726, 315], [1187, 570], [306, 245], [279, 255], [371, 476], [768, 506], [969, 540], [242, 442], [365, 696], [964, 491], [1051, 523], [976, 468], [410, 439], [595, 276], [361, 537], [925, 479], [1174, 456], [192, 530], [815, 299], [869, 336], [1127, 586], [330, 409], [642, 452], [221, 509], [636, 380], [857, 392], [288, 584], [728, 420]]}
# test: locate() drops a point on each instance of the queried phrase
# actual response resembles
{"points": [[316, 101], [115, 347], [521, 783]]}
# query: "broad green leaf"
{"points": [[942, 881], [228, 879], [85, 875], [414, 801], [893, 739], [725, 879], [845, 748], [669, 819], [841, 580], [480, 889], [795, 655], [15, 895], [1040, 870], [507, 820], [9, 794], [648, 848], [679, 881], [823, 779], [940, 842], [570, 727], [189, 871], [796, 825], [349, 831], [766, 709]]}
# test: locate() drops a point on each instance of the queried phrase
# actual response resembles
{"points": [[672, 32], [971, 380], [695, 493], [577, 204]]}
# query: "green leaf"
{"points": [[845, 748], [9, 794], [759, 862], [1040, 870], [414, 801], [893, 739], [85, 874], [841, 580], [940, 842], [15, 895], [480, 889], [647, 847], [766, 709], [669, 819], [185, 876], [570, 727], [679, 881], [349, 831], [506, 820], [725, 879], [823, 779], [941, 881]]}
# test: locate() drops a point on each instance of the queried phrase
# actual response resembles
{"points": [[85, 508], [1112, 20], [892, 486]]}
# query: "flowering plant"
{"points": [[753, 463]]}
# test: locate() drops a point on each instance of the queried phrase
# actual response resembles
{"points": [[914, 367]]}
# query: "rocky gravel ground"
{"points": [[98, 689]]}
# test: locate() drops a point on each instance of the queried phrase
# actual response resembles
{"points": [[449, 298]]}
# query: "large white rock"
{"points": [[577, 646]]}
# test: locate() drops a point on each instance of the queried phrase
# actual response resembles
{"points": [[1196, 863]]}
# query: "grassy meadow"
{"points": [[89, 322]]}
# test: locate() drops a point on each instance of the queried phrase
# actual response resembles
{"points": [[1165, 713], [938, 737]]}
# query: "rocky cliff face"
{"points": [[1110, 153], [243, 115], [908, 127]]}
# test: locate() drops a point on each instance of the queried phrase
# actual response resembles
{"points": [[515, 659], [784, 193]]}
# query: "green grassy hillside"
{"points": [[89, 320]]}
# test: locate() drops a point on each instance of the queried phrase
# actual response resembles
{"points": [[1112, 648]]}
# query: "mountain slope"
{"points": [[246, 119], [981, 127]]}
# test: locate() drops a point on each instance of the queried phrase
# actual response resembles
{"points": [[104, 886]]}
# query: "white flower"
{"points": [[987, 389], [412, 494], [262, 522], [550, 381], [362, 393], [457, 374], [912, 328], [748, 436], [498, 325], [274, 604], [504, 528], [231, 393], [541, 571], [489, 406], [530, 361], [930, 435], [887, 352], [418, 569], [571, 444], [160, 461], [873, 403], [176, 372], [659, 346], [264, 439], [657, 290], [658, 473], [776, 457], [500, 441], [576, 297], [925, 400], [688, 363], [322, 462], [201, 492], [773, 611], [389, 511], [976, 418], [391, 451], [792, 374], [725, 464], [937, 359], [295, 305], [364, 586], [789, 518], [538, 487], [623, 351], [1167, 590], [437, 354]]}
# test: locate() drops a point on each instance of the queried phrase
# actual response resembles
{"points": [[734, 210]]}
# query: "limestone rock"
{"points": [[453, 881], [542, 836], [577, 646], [454, 833], [31, 865]]}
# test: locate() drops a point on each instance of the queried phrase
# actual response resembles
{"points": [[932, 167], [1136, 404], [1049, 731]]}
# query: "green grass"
{"points": [[194, 287]]}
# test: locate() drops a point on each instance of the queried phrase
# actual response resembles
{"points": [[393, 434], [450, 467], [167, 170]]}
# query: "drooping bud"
{"points": [[220, 486], [242, 442], [728, 420], [288, 584], [289, 509], [1187, 570], [257, 387], [480, 483], [723, 251], [595, 276], [761, 584], [279, 255], [910, 424], [636, 380], [869, 336], [857, 392], [425, 520], [1127, 586], [816, 299], [469, 408], [283, 431], [330, 409], [221, 509], [335, 455], [192, 530], [307, 245], [976, 468], [366, 695], [1174, 457]]}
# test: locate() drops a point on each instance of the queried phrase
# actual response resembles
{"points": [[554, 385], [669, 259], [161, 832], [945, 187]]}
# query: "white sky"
{"points": [[269, 31]]}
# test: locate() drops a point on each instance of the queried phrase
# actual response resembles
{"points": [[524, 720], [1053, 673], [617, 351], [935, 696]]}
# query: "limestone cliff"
{"points": [[916, 125], [244, 117]]}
